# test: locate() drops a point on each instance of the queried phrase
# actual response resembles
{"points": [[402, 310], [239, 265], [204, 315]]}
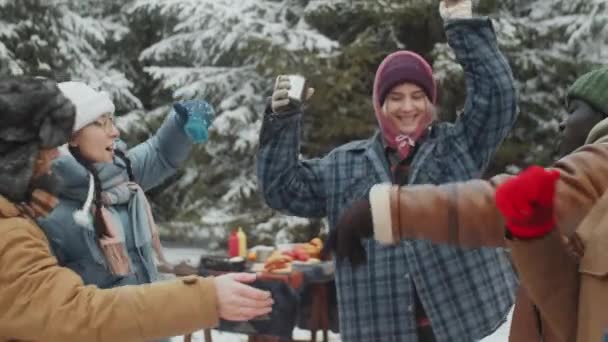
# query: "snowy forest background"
{"points": [[149, 53]]}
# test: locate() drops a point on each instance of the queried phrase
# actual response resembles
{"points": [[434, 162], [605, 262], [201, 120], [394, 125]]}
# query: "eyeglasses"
{"points": [[105, 122]]}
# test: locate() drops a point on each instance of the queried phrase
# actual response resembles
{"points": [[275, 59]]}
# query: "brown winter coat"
{"points": [[465, 214], [41, 301]]}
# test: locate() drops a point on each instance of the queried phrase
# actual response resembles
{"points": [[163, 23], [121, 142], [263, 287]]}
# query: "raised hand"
{"points": [[280, 101], [198, 116], [452, 9]]}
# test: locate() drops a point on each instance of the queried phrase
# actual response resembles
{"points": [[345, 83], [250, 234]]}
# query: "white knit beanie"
{"points": [[90, 104]]}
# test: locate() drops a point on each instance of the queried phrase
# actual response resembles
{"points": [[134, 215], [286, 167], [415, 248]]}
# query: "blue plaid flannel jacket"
{"points": [[466, 293]]}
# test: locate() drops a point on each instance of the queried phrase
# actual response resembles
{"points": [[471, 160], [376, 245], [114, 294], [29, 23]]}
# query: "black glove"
{"points": [[345, 239]]}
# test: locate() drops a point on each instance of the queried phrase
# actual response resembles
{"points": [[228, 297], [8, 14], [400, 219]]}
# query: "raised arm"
{"points": [[490, 108], [161, 156], [287, 183]]}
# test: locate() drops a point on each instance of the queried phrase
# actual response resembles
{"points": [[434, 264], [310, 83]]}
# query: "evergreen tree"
{"points": [[149, 53], [64, 41], [549, 44], [226, 52]]}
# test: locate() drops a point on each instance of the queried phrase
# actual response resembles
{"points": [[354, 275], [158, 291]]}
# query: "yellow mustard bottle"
{"points": [[242, 243]]}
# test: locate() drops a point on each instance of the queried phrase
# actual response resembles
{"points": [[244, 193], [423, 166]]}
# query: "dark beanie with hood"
{"points": [[34, 115], [592, 88]]}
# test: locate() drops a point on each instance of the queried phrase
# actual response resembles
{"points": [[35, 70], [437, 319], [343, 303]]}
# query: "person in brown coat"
{"points": [[41, 301], [563, 279], [563, 271]]}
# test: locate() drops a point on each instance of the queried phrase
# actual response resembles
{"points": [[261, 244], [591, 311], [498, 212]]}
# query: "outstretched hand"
{"points": [[526, 201], [237, 301]]}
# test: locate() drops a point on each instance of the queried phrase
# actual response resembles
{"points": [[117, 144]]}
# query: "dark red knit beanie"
{"points": [[404, 68]]}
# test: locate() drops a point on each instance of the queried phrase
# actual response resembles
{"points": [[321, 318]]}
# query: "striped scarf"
{"points": [[142, 221]]}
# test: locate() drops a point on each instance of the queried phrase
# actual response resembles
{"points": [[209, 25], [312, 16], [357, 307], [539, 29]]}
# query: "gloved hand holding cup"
{"points": [[198, 116], [290, 91]]}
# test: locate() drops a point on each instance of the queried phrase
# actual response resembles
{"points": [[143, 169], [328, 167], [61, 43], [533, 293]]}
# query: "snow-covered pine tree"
{"points": [[148, 53], [549, 43], [226, 52], [208, 52], [63, 40]]}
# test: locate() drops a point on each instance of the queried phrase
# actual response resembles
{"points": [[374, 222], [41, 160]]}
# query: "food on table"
{"points": [[277, 261], [304, 253], [252, 256]]}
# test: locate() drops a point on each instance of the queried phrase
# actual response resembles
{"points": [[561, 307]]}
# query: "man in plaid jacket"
{"points": [[414, 290]]}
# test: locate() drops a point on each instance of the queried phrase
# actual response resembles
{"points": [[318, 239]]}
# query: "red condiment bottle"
{"points": [[233, 245]]}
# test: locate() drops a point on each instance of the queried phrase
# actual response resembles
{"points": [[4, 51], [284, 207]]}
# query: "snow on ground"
{"points": [[191, 255], [219, 336]]}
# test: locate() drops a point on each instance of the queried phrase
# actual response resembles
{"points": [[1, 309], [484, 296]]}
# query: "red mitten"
{"points": [[526, 202]]}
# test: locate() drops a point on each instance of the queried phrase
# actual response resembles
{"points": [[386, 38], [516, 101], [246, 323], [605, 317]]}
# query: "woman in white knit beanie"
{"points": [[103, 227]]}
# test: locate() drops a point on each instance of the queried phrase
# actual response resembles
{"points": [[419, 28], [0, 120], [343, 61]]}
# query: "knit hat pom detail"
{"points": [[83, 216]]}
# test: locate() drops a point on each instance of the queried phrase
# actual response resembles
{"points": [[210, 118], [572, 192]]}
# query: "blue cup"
{"points": [[198, 115]]}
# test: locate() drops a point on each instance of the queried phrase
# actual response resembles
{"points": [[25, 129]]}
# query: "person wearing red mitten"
{"points": [[567, 281], [527, 201]]}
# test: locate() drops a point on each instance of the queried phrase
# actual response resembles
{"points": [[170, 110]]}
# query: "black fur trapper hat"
{"points": [[34, 115]]}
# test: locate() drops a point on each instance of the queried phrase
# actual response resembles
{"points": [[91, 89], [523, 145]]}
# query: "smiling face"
{"points": [[406, 106], [96, 140]]}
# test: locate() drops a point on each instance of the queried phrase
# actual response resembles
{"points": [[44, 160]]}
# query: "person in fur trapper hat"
{"points": [[42, 301], [103, 227], [412, 291], [36, 118]]}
